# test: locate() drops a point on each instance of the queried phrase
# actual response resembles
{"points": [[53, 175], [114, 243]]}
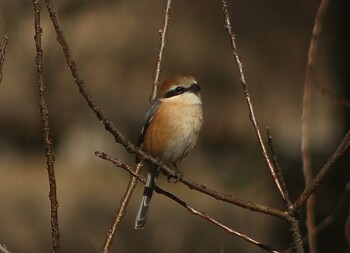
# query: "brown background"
{"points": [[115, 46]]}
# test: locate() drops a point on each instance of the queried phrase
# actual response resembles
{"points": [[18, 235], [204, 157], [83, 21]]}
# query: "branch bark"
{"points": [[293, 221], [162, 44], [252, 116], [44, 112], [122, 208], [189, 208], [314, 183], [2, 55], [305, 121]]}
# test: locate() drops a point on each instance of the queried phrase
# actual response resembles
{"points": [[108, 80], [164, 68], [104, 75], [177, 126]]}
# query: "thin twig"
{"points": [[312, 55], [306, 168], [305, 120], [311, 187], [109, 126], [331, 95], [122, 209], [294, 223], [342, 204], [215, 194], [44, 111], [248, 99], [2, 55], [278, 169], [189, 208], [215, 222], [162, 44]]}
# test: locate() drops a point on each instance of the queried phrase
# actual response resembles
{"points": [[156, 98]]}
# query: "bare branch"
{"points": [[210, 192], [305, 119], [122, 209], [2, 55], [190, 209], [278, 170], [109, 126], [162, 44], [44, 111], [215, 222], [294, 223], [248, 99], [311, 187], [341, 205], [332, 96]]}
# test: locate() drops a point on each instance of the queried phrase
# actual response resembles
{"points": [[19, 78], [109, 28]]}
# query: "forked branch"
{"points": [[189, 208]]}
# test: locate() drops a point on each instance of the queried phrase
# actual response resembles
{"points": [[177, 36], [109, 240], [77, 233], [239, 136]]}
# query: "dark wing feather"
{"points": [[153, 107]]}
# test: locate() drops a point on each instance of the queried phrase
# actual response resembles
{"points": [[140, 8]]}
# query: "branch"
{"points": [[109, 126], [44, 112], [123, 205], [213, 193], [2, 55], [211, 220], [190, 209], [305, 119], [248, 99], [162, 44], [294, 223], [288, 203], [341, 205], [311, 187]]}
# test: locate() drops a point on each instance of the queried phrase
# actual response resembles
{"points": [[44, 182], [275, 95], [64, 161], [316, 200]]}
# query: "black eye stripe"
{"points": [[180, 90]]}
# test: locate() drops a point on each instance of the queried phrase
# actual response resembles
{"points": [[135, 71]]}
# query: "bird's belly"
{"points": [[177, 136]]}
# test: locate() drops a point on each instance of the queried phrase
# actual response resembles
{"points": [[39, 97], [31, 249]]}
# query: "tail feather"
{"points": [[145, 202]]}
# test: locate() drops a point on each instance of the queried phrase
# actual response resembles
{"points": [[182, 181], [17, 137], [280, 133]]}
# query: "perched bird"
{"points": [[171, 127]]}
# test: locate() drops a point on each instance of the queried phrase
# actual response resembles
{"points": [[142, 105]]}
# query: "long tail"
{"points": [[145, 202]]}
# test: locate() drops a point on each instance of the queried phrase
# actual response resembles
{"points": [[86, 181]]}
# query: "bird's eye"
{"points": [[180, 89]]}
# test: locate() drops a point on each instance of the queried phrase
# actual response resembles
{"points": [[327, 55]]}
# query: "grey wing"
{"points": [[153, 107]]}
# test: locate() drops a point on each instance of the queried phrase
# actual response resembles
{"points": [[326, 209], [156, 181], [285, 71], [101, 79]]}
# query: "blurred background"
{"points": [[115, 45]]}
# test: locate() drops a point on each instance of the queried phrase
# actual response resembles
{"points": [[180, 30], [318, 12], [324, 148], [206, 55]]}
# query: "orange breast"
{"points": [[173, 131]]}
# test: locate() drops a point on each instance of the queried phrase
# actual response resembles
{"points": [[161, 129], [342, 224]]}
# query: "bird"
{"points": [[170, 131]]}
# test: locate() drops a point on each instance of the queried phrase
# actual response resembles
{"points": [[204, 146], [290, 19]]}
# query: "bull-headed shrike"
{"points": [[171, 127]]}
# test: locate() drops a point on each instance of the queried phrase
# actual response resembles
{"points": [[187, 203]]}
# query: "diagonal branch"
{"points": [[109, 126], [189, 208], [44, 111], [162, 44], [311, 187], [208, 218], [294, 223], [122, 209], [248, 99], [288, 203], [342, 204]]}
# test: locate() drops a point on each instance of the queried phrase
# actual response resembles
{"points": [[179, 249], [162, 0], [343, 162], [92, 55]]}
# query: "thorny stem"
{"points": [[44, 111]]}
